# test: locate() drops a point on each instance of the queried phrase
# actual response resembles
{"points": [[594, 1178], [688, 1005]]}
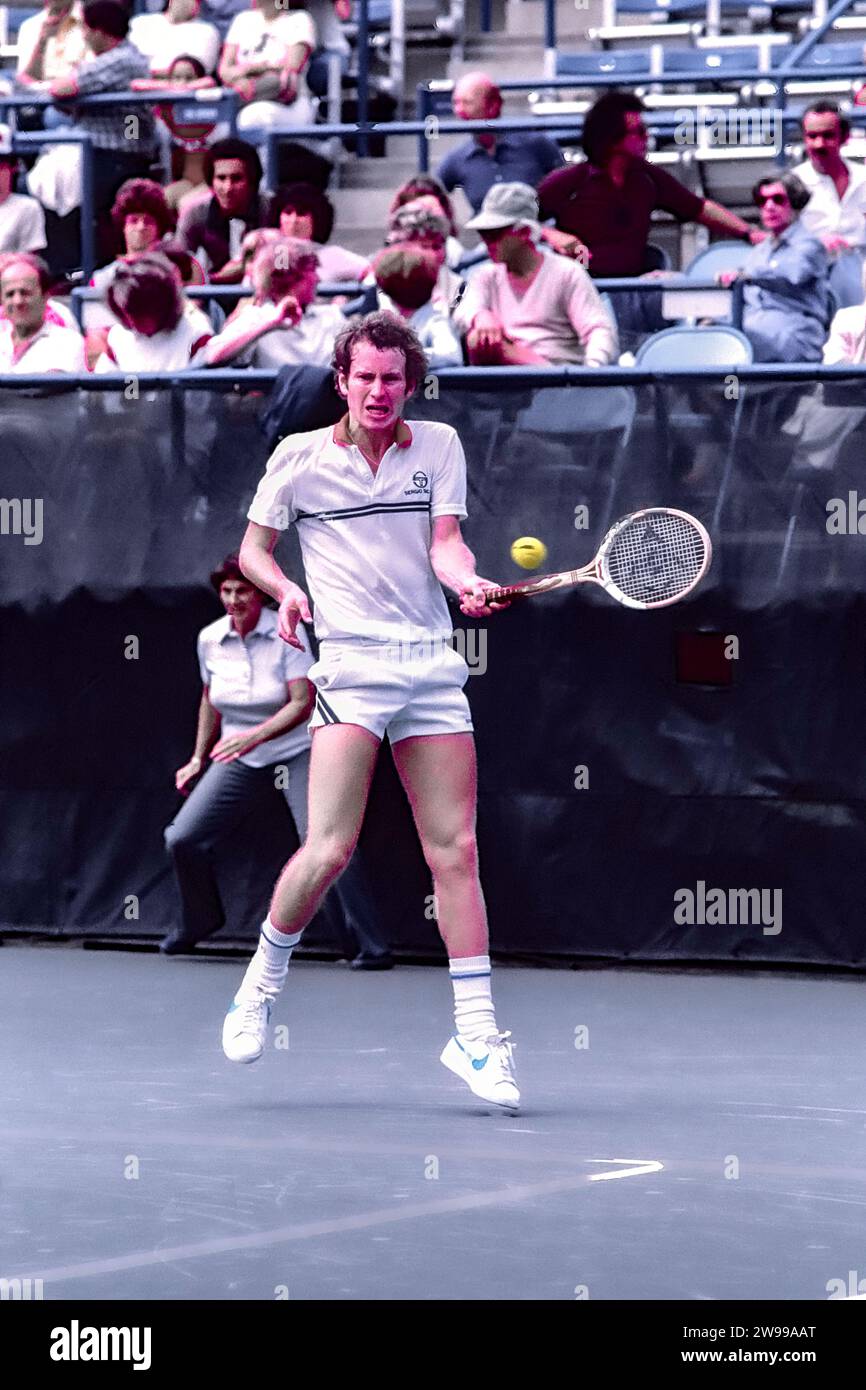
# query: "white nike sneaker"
{"points": [[486, 1067], [245, 1027]]}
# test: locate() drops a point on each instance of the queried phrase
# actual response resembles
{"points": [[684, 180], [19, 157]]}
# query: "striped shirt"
{"points": [[365, 537], [131, 129]]}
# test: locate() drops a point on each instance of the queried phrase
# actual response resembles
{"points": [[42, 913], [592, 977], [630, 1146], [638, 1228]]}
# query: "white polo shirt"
{"points": [[826, 214], [365, 538], [162, 42], [248, 679], [22, 224], [52, 349]]}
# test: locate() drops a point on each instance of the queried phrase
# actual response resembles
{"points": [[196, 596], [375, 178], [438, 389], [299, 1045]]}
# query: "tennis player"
{"points": [[378, 502]]}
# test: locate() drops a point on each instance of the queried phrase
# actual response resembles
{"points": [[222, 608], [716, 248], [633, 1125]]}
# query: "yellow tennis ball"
{"points": [[529, 552]]}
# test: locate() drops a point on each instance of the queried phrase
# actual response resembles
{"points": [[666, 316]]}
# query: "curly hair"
{"points": [[232, 148], [141, 195], [383, 331], [423, 186], [407, 274], [288, 255], [605, 125], [306, 199], [417, 224]]}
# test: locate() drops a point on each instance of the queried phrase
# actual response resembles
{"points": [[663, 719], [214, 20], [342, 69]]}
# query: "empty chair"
{"points": [[706, 62], [720, 347], [722, 255], [829, 56], [629, 64]]}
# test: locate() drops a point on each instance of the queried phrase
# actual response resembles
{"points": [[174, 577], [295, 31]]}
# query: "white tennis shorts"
{"points": [[404, 689]]}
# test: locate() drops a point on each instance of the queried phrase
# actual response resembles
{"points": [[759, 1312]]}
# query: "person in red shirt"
{"points": [[604, 206]]}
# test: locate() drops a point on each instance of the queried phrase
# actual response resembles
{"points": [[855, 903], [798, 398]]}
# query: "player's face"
{"points": [[240, 599], [823, 138], [140, 232], [375, 388], [231, 186]]}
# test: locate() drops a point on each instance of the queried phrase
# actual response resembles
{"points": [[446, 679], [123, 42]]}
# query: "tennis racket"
{"points": [[650, 559]]}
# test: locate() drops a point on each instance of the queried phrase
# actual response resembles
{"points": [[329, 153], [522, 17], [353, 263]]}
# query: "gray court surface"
{"points": [[705, 1138]]}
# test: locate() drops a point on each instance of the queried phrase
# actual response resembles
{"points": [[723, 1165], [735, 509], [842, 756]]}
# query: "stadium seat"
{"points": [[628, 64], [709, 62], [722, 255], [719, 347], [829, 56]]}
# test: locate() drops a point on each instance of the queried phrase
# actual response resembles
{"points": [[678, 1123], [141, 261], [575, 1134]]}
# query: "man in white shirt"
{"points": [[524, 307], [22, 220], [836, 212], [282, 326], [377, 502], [29, 342], [177, 32]]}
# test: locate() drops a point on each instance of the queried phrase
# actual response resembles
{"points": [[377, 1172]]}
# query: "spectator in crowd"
{"points": [[602, 208], [56, 311], [52, 43], [29, 341], [526, 307], [303, 211], [836, 211], [846, 342], [141, 218], [22, 221], [124, 138], [405, 279], [154, 333], [177, 32], [423, 190], [786, 296], [266, 51], [328, 16], [215, 228], [282, 326], [429, 230], [188, 142], [486, 159]]}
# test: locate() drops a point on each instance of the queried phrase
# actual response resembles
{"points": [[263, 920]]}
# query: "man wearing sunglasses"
{"points": [[786, 298]]}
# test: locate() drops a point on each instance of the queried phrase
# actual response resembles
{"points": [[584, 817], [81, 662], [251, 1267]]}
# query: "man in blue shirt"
{"points": [[480, 162], [786, 277]]}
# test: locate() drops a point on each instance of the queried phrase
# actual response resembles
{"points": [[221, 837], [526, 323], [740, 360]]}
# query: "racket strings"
{"points": [[655, 559]]}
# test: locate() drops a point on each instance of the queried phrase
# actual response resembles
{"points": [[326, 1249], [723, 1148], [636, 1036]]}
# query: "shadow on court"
{"points": [[685, 1134]]}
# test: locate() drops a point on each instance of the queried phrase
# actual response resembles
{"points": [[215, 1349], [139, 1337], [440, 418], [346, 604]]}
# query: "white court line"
{"points": [[638, 1166], [282, 1235]]}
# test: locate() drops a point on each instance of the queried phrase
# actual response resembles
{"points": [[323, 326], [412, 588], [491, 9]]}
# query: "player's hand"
{"points": [[473, 597], [294, 608], [230, 748], [187, 774]]}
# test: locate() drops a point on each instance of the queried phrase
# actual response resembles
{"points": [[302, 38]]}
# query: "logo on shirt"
{"points": [[422, 484]]}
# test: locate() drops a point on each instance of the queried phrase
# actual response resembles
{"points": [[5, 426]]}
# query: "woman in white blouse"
{"points": [[251, 740], [266, 52]]}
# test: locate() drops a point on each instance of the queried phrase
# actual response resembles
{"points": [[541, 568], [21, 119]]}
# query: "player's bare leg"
{"points": [[342, 762], [438, 772]]}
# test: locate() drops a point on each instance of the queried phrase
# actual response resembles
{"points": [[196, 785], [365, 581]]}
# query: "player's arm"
{"points": [[258, 564], [454, 566]]}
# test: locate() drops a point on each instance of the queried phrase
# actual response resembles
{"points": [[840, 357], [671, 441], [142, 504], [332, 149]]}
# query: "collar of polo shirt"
{"points": [[402, 434], [265, 627]]}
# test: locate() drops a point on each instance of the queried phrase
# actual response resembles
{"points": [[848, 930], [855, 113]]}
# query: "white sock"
{"points": [[473, 1003], [269, 966]]}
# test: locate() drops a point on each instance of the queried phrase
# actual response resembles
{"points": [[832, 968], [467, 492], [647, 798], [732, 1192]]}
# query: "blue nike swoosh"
{"points": [[478, 1065]]}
